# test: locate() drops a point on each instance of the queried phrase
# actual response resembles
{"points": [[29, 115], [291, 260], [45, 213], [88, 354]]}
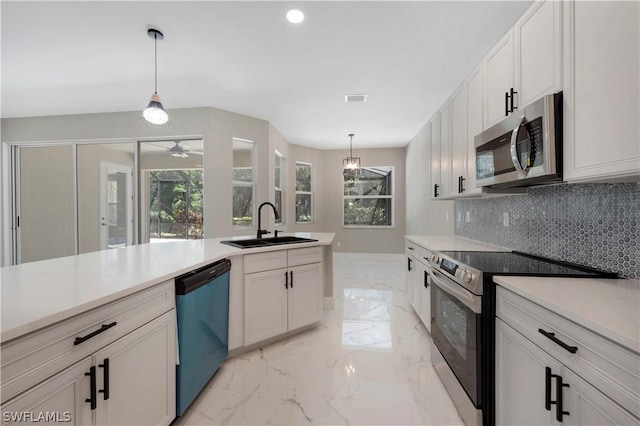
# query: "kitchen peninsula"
{"points": [[62, 318]]}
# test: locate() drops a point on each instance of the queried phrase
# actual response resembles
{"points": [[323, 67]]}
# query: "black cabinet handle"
{"points": [[462, 179], [286, 280], [513, 108], [506, 103], [93, 400], [559, 386], [105, 376], [426, 279], [552, 337], [435, 190], [408, 264], [410, 248], [547, 389], [93, 334], [291, 279]]}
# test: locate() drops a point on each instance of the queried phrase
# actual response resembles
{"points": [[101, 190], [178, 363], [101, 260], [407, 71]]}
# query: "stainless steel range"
{"points": [[463, 321]]}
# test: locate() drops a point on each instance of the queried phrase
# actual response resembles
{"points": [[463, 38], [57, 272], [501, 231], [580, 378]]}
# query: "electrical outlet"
{"points": [[467, 217], [505, 219], [459, 217], [339, 244], [446, 216]]}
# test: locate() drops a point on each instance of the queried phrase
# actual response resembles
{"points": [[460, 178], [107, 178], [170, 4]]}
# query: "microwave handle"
{"points": [[514, 151]]}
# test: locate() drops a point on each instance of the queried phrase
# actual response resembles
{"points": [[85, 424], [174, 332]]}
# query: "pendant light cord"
{"points": [[155, 64]]}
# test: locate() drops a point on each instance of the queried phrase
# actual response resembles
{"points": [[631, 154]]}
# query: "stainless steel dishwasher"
{"points": [[202, 304]]}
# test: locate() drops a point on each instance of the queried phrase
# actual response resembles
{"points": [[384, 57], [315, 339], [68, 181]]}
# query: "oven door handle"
{"points": [[466, 298]]}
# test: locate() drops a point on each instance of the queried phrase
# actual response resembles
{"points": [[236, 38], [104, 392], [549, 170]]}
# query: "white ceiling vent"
{"points": [[356, 98]]}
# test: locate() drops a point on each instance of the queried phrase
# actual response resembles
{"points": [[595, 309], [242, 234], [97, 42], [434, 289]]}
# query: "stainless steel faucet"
{"points": [[261, 231]]}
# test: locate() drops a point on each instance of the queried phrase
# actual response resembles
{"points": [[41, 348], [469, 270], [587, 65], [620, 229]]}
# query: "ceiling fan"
{"points": [[181, 151]]}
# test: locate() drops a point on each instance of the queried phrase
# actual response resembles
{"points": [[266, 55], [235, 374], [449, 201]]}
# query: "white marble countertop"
{"points": [[452, 243], [610, 307], [37, 294]]}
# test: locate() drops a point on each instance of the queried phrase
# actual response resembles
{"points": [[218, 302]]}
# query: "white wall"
{"points": [[423, 215]]}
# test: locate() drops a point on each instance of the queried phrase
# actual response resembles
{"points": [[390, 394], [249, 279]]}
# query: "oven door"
{"points": [[456, 330]]}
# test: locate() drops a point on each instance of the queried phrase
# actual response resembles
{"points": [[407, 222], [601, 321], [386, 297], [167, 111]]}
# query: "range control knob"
{"points": [[435, 259], [467, 276]]}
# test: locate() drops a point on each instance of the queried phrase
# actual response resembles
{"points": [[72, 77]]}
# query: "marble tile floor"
{"points": [[367, 363]]}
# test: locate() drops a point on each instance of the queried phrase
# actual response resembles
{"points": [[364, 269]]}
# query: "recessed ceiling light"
{"points": [[295, 16], [361, 97]]}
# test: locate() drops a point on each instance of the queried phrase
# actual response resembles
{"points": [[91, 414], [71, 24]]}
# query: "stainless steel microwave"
{"points": [[524, 149]]}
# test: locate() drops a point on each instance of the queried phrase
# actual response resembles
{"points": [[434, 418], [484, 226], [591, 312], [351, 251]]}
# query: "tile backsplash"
{"points": [[594, 225]]}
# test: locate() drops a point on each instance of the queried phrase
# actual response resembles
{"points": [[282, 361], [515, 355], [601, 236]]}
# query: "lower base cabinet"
{"points": [[129, 382], [281, 300], [532, 387]]}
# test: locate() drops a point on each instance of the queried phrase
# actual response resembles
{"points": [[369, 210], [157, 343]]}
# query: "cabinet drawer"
{"points": [[304, 256], [30, 359], [609, 367], [267, 261]]}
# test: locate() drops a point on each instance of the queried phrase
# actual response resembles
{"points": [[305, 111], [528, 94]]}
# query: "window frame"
{"points": [[391, 197], [310, 193], [245, 184], [280, 161]]}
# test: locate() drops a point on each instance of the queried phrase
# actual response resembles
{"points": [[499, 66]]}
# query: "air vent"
{"points": [[356, 98]]}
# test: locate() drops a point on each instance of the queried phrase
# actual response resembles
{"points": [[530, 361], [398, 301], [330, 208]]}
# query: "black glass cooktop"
{"points": [[515, 263]]}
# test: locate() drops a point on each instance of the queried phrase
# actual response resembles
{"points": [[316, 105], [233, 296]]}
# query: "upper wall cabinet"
{"points": [[436, 188], [526, 64], [475, 120], [601, 90]]}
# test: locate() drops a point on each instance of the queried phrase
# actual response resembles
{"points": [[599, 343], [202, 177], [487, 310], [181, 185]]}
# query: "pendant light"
{"points": [[155, 113], [351, 163]]}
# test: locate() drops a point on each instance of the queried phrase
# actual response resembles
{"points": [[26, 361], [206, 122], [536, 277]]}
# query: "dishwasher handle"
{"points": [[197, 278]]}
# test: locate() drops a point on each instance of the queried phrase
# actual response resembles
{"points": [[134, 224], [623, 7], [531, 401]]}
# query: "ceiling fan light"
{"points": [[155, 113]]}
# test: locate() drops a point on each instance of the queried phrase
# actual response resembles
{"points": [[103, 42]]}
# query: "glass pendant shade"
{"points": [[155, 113]]}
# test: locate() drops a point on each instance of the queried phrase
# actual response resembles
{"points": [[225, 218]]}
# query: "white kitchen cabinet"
{"points": [[588, 406], [280, 300], [51, 369], [599, 378], [63, 394], [265, 305], [475, 125], [436, 184], [416, 302], [498, 66], [409, 273], [527, 61], [445, 149], [521, 379], [601, 82], [138, 372], [538, 52], [304, 297], [458, 141]]}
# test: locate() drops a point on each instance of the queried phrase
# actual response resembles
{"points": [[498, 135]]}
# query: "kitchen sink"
{"points": [[264, 242]]}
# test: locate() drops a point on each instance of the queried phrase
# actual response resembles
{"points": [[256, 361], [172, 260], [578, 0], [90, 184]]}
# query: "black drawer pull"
{"points": [[94, 333], [93, 400], [547, 389], [291, 278], [552, 337], [426, 279], [105, 376], [286, 280]]}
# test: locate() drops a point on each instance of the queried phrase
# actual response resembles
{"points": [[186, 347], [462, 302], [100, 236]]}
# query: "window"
{"points": [[304, 192], [243, 182], [368, 197], [279, 184]]}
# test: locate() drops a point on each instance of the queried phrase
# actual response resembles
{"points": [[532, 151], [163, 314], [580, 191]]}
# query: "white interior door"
{"points": [[116, 218]]}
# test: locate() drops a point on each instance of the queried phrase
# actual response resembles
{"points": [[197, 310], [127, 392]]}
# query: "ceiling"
{"points": [[92, 56]]}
